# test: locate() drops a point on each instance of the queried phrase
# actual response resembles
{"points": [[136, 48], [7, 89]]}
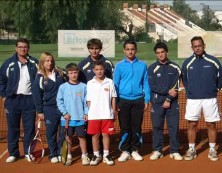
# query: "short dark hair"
{"points": [[197, 38], [160, 45], [98, 63], [129, 41], [71, 67], [96, 42], [22, 40]]}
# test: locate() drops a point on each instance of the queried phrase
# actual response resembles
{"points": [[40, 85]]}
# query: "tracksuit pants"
{"points": [[130, 121], [52, 123], [158, 115], [19, 107]]}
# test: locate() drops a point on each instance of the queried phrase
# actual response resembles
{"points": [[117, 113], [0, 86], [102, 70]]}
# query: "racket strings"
{"points": [[36, 150]]}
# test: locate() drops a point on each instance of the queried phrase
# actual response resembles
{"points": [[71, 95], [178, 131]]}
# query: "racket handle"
{"points": [[67, 124], [39, 124]]}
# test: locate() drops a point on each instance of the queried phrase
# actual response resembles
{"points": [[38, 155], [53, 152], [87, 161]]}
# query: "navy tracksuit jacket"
{"points": [[162, 78], [44, 96], [18, 105]]}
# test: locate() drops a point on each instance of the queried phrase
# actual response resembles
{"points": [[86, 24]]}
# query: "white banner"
{"points": [[73, 43], [212, 40]]}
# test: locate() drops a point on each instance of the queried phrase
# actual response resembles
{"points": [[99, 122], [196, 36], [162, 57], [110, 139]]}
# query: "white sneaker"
{"points": [[191, 154], [68, 161], [95, 160], [176, 156], [156, 155], [59, 158], [212, 155], [10, 159], [136, 156], [54, 160], [108, 160], [28, 158], [85, 160], [124, 156]]}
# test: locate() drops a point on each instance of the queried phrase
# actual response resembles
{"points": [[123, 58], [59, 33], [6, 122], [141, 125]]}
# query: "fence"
{"points": [[146, 126]]}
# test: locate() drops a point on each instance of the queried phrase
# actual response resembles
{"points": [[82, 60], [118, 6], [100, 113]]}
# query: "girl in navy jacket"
{"points": [[45, 88]]}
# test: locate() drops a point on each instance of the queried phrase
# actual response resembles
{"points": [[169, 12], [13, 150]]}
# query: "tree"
{"points": [[6, 21], [180, 7], [208, 20]]}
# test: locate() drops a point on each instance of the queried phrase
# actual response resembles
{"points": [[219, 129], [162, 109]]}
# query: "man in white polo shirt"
{"points": [[16, 76]]}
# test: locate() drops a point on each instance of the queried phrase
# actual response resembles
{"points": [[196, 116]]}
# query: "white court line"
{"points": [[3, 154]]}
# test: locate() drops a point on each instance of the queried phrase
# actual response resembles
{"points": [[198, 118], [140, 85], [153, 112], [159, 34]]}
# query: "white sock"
{"points": [[96, 153], [192, 146], [84, 154], [105, 153], [69, 156], [212, 146]]}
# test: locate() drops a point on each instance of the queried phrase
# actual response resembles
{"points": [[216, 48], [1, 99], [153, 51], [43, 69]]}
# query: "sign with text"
{"points": [[73, 43]]}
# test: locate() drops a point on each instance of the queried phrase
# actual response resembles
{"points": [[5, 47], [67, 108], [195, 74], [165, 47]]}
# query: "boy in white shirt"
{"points": [[101, 100]]}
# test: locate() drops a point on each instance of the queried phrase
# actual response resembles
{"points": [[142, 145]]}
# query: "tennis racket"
{"points": [[36, 148], [64, 149]]}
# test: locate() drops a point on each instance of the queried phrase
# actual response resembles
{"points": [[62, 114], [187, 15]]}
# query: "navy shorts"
{"points": [[79, 131]]}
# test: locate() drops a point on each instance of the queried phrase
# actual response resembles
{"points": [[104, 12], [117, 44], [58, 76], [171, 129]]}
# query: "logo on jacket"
{"points": [[6, 111], [207, 66], [106, 89], [191, 68], [12, 69], [158, 74], [89, 71], [48, 122], [78, 93]]}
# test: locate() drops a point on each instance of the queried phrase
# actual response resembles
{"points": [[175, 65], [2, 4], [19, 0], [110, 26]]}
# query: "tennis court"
{"points": [[165, 164]]}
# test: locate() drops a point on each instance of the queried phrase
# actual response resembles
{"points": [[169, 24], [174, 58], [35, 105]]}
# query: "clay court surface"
{"points": [[199, 165], [164, 165]]}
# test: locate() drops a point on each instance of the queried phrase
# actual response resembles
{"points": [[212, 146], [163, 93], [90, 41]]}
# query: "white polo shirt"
{"points": [[100, 96], [24, 85]]}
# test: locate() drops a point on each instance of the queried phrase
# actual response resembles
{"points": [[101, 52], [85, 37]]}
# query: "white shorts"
{"points": [[209, 107]]}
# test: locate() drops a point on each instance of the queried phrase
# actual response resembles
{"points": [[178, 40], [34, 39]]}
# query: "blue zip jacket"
{"points": [[131, 80], [202, 76], [10, 74], [162, 78], [86, 68], [45, 92]]}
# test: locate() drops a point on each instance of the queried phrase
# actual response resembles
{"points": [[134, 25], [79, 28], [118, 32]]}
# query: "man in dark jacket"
{"points": [[16, 77], [202, 78]]}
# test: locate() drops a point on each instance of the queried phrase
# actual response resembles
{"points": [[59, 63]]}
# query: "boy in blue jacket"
{"points": [[133, 93], [71, 102]]}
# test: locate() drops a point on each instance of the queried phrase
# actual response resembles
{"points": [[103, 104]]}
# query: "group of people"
{"points": [[89, 95]]}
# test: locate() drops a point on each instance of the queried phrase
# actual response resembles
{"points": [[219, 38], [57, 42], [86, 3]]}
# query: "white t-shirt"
{"points": [[24, 85], [100, 96]]}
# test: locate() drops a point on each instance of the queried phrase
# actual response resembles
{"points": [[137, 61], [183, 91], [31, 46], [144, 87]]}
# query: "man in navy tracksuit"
{"points": [[86, 73], [164, 76], [16, 77], [202, 78]]}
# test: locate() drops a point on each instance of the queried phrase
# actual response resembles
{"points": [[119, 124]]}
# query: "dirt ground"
{"points": [[166, 164]]}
